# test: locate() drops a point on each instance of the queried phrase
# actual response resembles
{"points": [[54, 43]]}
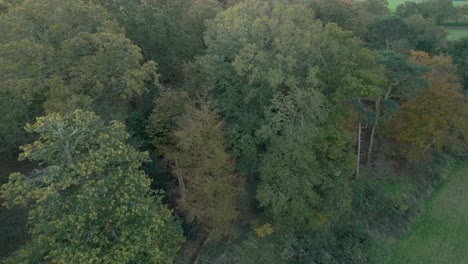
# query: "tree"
{"points": [[403, 83], [439, 10], [306, 172], [459, 51], [60, 55], [461, 13], [436, 10], [426, 35], [345, 14], [168, 108], [437, 118], [257, 49], [261, 57], [375, 7], [168, 31], [209, 187], [89, 201], [408, 9], [389, 33]]}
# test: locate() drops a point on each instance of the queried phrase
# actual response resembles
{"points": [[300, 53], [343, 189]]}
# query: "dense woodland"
{"points": [[255, 131]]}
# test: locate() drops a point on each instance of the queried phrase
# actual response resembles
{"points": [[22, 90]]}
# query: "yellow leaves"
{"points": [[264, 230], [419, 57]]}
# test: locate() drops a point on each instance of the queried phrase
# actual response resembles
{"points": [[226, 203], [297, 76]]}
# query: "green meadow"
{"points": [[456, 33], [440, 234], [392, 4]]}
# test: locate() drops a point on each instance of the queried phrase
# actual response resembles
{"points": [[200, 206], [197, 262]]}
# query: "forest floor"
{"points": [[440, 234]]}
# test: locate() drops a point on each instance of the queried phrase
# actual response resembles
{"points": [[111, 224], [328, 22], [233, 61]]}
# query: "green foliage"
{"points": [[168, 31], [437, 10], [375, 7], [89, 201], [407, 9], [258, 49], [426, 35], [459, 52], [347, 243], [404, 76], [346, 14], [404, 82], [168, 107], [274, 72], [389, 33], [136, 127], [306, 170], [61, 55], [402, 35], [386, 206]]}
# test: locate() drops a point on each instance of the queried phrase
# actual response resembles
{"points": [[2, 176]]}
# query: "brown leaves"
{"points": [[438, 117]]}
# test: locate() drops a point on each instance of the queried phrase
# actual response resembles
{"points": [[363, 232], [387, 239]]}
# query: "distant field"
{"points": [[460, 3], [456, 33], [392, 4], [440, 234]]}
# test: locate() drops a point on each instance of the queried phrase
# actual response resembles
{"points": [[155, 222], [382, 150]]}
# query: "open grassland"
{"points": [[460, 3], [456, 33], [440, 233], [392, 4]]}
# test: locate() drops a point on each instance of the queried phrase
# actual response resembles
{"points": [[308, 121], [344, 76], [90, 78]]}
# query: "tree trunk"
{"points": [[358, 155], [205, 241], [376, 121], [180, 180], [374, 127], [430, 144]]}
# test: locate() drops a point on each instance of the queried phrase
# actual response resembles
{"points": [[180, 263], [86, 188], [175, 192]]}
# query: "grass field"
{"points": [[392, 4], [460, 3], [456, 33], [440, 235]]}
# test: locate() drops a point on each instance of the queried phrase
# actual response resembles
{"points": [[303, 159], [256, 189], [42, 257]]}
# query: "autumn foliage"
{"points": [[437, 118]]}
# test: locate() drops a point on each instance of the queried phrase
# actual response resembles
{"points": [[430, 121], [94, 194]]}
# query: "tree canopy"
{"points": [[61, 55], [438, 117], [90, 202], [254, 116]]}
